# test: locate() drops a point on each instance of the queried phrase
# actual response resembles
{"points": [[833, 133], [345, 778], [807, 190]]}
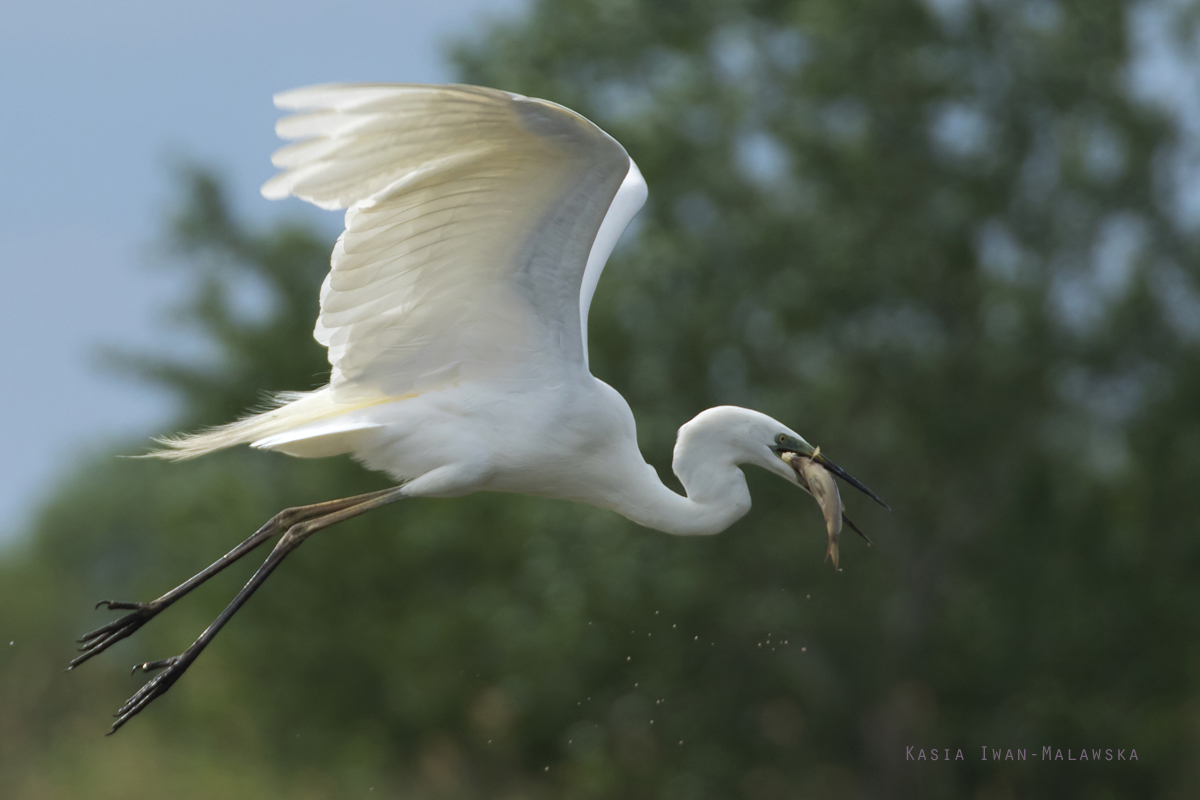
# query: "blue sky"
{"points": [[98, 99]]}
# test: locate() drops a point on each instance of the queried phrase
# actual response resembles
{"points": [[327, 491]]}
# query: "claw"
{"points": [[156, 687], [151, 666], [120, 605], [99, 640], [103, 629]]}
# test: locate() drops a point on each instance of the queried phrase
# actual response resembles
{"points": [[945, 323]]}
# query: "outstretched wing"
{"points": [[477, 225]]}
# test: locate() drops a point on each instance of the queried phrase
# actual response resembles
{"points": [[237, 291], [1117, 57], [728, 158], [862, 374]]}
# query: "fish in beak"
{"points": [[819, 482], [787, 445], [815, 474]]}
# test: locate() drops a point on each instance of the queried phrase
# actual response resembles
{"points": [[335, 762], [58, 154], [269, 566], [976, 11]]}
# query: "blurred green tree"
{"points": [[936, 239]]}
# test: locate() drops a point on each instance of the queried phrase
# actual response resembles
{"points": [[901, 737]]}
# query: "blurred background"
{"points": [[954, 242]]}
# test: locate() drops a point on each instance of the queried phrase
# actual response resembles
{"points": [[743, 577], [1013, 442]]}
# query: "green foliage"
{"points": [[936, 246]]}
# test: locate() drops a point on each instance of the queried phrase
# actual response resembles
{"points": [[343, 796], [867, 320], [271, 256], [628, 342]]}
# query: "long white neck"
{"points": [[708, 455], [717, 497], [706, 462]]}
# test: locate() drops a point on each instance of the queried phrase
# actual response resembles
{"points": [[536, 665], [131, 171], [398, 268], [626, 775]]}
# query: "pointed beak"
{"points": [[803, 448], [824, 461]]}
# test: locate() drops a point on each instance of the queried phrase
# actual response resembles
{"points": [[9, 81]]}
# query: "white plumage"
{"points": [[477, 225], [455, 310], [455, 314]]}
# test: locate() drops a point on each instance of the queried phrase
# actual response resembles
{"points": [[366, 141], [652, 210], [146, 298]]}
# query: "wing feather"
{"points": [[477, 224]]}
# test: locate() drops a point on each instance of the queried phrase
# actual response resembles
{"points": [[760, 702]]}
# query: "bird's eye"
{"points": [[781, 438]]}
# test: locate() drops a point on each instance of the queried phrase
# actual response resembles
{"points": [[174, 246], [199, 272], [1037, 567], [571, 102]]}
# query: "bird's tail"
{"points": [[286, 410]]}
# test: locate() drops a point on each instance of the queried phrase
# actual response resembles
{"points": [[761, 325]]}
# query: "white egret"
{"points": [[455, 314]]}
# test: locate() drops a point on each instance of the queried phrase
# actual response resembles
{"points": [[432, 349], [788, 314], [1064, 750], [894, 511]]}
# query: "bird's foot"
{"points": [[172, 669], [106, 636]]}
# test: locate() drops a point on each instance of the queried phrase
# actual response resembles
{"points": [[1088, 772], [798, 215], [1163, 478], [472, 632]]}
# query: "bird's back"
{"points": [[574, 439]]}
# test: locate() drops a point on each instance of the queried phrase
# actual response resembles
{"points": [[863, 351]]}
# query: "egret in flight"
{"points": [[455, 315]]}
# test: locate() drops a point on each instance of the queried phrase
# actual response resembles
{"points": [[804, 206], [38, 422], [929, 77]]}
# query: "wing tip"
{"points": [[347, 95], [303, 97], [278, 187]]}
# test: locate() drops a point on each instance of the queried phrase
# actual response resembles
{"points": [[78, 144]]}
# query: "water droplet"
{"points": [[547, 769], [808, 597], [803, 649], [681, 741], [629, 658]]}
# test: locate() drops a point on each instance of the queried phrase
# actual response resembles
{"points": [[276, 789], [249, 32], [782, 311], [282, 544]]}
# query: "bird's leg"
{"points": [[105, 636], [174, 667]]}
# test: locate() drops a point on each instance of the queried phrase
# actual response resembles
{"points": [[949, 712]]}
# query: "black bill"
{"points": [[854, 528], [824, 461]]}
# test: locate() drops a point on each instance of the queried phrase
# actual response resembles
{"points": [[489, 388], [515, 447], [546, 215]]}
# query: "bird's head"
{"points": [[755, 438], [787, 445]]}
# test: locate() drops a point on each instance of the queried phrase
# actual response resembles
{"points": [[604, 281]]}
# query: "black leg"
{"points": [[174, 667], [105, 636]]}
